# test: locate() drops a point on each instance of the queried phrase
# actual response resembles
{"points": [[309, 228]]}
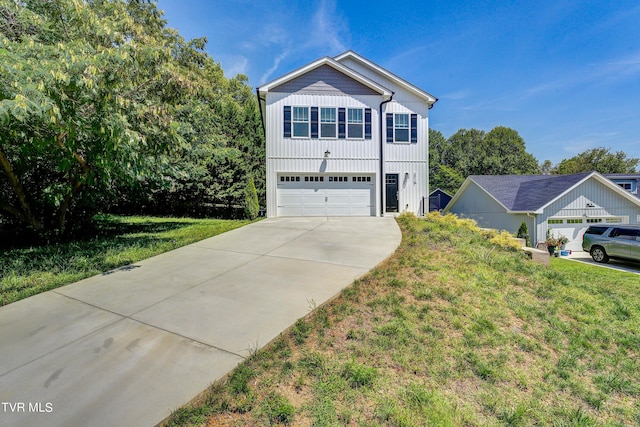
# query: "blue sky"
{"points": [[564, 74]]}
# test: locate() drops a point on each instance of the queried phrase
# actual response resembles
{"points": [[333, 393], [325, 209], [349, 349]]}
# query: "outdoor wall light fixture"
{"points": [[327, 153]]}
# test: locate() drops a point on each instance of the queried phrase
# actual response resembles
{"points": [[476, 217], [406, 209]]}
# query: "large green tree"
{"points": [[101, 104], [83, 102], [501, 151], [598, 159]]}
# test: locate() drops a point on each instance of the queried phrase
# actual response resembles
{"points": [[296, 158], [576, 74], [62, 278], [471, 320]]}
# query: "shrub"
{"points": [[523, 233], [251, 205]]}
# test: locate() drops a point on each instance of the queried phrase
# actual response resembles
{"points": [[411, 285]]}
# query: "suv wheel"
{"points": [[599, 255]]}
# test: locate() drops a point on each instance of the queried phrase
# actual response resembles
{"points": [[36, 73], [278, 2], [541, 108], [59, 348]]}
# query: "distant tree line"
{"points": [[104, 108], [502, 151]]}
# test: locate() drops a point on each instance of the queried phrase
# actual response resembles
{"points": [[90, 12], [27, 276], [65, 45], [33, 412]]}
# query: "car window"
{"points": [[596, 230], [624, 233]]}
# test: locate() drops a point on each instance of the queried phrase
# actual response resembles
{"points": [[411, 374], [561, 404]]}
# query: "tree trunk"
{"points": [[25, 215], [76, 184]]}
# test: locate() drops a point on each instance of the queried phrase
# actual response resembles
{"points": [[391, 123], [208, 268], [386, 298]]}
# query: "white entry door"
{"points": [[326, 195]]}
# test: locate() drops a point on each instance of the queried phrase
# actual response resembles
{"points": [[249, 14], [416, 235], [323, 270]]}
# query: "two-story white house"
{"points": [[345, 137]]}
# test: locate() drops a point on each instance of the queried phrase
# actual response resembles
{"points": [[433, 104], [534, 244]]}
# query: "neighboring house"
{"points": [[628, 182], [345, 137], [438, 199], [566, 204]]}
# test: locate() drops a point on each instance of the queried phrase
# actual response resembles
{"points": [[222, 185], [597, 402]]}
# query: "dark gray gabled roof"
{"points": [[527, 193]]}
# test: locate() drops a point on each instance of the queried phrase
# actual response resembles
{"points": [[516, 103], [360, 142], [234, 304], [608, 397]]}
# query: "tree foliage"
{"points": [[501, 151], [101, 103], [598, 159]]}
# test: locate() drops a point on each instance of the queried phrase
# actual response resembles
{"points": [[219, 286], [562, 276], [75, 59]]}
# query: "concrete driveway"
{"points": [[128, 347], [614, 264]]}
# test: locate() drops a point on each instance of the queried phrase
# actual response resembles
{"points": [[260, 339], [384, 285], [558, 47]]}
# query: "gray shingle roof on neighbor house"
{"points": [[527, 193]]}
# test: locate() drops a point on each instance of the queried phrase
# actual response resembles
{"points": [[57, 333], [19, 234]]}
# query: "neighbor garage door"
{"points": [[326, 195], [574, 228]]}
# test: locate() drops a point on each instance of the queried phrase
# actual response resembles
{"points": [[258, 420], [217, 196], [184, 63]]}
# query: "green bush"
{"points": [[523, 233], [251, 205]]}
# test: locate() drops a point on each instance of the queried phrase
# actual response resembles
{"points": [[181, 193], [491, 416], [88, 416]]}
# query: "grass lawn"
{"points": [[451, 330], [115, 241]]}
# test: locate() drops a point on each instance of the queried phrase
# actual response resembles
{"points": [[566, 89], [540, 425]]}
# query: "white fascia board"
{"points": [[606, 182], [333, 64], [398, 80]]}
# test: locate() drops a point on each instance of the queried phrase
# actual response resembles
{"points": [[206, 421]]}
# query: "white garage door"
{"points": [[574, 228], [326, 195]]}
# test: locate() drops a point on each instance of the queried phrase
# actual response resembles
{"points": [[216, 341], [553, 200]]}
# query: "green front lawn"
{"points": [[115, 241], [451, 330]]}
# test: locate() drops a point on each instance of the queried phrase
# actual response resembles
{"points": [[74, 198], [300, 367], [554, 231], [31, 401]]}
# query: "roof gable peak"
{"points": [[263, 89]]}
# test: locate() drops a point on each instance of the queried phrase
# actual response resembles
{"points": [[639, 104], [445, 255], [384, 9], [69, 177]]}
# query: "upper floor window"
{"points": [[355, 123], [301, 122], [328, 122], [401, 128]]}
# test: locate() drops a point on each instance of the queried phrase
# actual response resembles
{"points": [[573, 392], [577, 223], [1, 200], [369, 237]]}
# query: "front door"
{"points": [[391, 180]]}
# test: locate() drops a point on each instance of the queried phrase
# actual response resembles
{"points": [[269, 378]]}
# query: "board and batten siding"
{"points": [[476, 204], [307, 155], [605, 203], [296, 148], [577, 204], [394, 151], [413, 182], [324, 86]]}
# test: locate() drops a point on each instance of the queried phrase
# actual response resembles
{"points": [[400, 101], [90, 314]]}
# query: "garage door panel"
{"points": [[326, 198], [574, 234]]}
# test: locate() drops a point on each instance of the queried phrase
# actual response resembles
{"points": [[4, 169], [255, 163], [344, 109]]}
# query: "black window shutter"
{"points": [[367, 123], [287, 121], [314, 122], [342, 128], [414, 128], [389, 127]]}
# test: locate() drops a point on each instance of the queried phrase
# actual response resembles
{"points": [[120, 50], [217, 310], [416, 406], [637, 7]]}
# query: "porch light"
{"points": [[327, 153]]}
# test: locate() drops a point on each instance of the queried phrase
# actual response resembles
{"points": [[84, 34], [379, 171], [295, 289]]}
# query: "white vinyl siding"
{"points": [[300, 122], [352, 156]]}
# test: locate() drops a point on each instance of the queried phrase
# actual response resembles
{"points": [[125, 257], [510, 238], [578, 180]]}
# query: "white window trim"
{"points": [[335, 123], [293, 122], [347, 123], [395, 123]]}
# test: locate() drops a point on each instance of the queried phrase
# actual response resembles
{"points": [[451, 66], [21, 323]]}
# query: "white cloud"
{"points": [[236, 65], [328, 28], [274, 67]]}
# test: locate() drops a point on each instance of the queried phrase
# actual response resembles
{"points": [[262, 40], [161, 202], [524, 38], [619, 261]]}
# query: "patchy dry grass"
{"points": [[452, 330]]}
